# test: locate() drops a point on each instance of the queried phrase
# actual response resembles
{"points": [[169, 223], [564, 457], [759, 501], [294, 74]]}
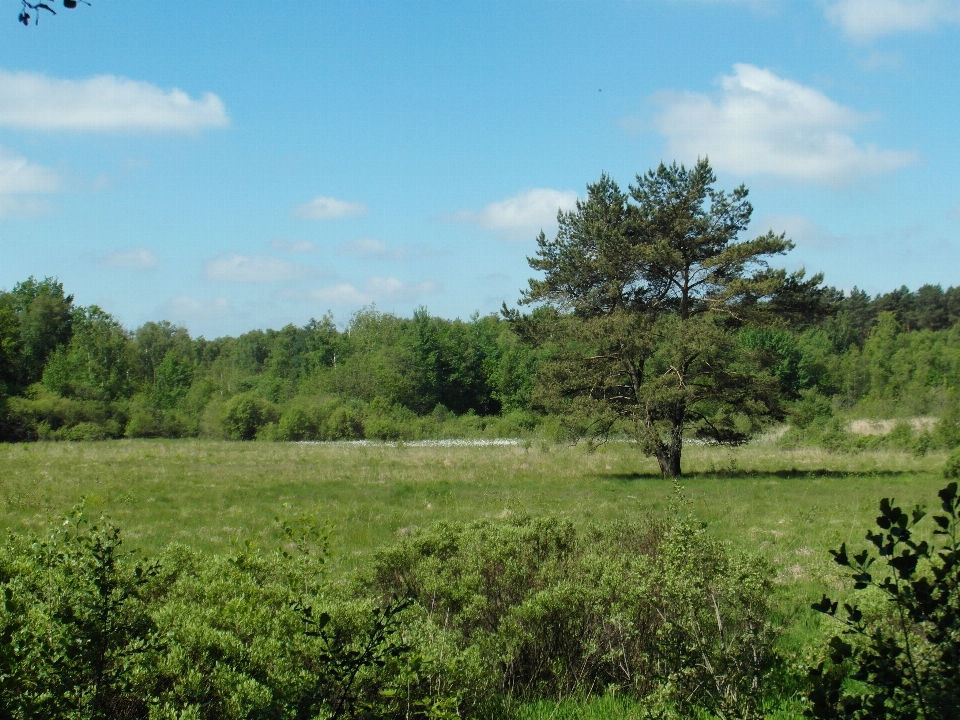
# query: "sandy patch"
{"points": [[882, 427]]}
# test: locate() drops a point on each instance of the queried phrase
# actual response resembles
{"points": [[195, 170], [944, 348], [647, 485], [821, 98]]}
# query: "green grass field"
{"points": [[791, 506]]}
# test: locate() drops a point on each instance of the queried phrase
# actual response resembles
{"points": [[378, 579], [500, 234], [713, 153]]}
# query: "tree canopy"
{"points": [[651, 289]]}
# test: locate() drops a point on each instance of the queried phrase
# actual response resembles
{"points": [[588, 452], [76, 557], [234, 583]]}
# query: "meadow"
{"points": [[791, 506]]}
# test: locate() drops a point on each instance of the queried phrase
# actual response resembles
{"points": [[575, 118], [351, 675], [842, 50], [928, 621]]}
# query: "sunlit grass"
{"points": [[791, 506]]}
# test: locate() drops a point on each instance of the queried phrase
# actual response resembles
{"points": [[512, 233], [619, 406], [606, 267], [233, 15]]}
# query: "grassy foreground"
{"points": [[790, 505]]}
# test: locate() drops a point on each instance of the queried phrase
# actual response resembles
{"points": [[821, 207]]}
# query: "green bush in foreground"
{"points": [[903, 660], [529, 609], [88, 631], [495, 615]]}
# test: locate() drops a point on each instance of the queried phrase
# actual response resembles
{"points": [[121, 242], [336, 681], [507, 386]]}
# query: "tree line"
{"points": [[650, 317], [69, 372]]}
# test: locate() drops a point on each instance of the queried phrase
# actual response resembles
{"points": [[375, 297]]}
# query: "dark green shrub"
{"points": [[947, 431], [835, 436], [48, 416], [296, 423], [146, 420], [901, 436], [91, 431], [922, 443], [82, 633], [535, 609], [243, 416], [901, 661], [344, 423], [811, 406], [383, 421], [88, 632], [951, 470]]}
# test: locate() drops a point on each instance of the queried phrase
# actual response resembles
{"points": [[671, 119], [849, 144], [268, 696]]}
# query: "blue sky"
{"points": [[232, 166]]}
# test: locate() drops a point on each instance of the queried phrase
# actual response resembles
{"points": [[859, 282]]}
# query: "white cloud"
{"points": [[326, 208], [139, 258], [762, 123], [866, 20], [368, 248], [185, 308], [340, 294], [20, 180], [375, 290], [803, 231], [254, 269], [33, 101], [522, 214], [18, 176], [292, 246], [388, 288]]}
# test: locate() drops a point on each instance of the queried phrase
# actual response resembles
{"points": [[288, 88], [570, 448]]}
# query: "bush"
{"points": [[530, 609], [86, 431], [947, 431], [383, 421], [951, 470], [76, 631], [344, 423], [148, 421], [901, 436], [48, 416], [89, 632], [811, 407], [900, 660], [243, 415], [296, 424]]}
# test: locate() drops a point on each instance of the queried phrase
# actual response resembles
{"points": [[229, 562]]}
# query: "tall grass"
{"points": [[790, 506]]}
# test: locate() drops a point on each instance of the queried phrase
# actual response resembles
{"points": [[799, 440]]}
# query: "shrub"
{"points": [[90, 431], [148, 421], [308, 418], [947, 431], [901, 436], [344, 423], [88, 632], [383, 421], [296, 423], [535, 608], [951, 470], [902, 660], [49, 416], [243, 415], [77, 630], [811, 407]]}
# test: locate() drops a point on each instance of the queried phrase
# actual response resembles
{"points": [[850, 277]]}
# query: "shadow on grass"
{"points": [[757, 474]]}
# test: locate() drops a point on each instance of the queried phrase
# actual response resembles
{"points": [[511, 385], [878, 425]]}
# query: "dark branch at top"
{"points": [[35, 8]]}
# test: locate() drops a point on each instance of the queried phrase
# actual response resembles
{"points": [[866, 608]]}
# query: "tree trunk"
{"points": [[668, 455]]}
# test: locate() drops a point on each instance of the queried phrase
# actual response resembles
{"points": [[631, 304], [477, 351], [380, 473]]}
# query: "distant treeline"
{"points": [[929, 308], [69, 372]]}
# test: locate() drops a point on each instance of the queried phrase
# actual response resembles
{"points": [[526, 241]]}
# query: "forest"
{"points": [[75, 373]]}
